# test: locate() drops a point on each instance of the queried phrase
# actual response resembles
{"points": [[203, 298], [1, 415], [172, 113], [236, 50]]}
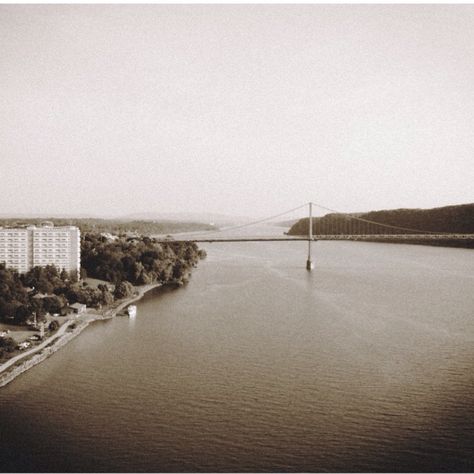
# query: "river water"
{"points": [[365, 364]]}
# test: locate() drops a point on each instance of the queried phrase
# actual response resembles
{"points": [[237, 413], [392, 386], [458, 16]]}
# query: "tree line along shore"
{"points": [[41, 299]]}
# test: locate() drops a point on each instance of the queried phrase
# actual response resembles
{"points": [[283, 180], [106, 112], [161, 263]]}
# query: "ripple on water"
{"points": [[363, 365]]}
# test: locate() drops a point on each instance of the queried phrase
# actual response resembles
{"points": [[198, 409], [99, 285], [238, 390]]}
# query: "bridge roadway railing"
{"points": [[393, 236], [321, 237]]}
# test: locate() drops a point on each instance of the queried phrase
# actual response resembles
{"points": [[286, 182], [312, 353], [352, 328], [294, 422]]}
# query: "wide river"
{"points": [[365, 364]]}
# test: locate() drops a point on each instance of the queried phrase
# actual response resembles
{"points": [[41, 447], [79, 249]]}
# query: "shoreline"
{"points": [[53, 343]]}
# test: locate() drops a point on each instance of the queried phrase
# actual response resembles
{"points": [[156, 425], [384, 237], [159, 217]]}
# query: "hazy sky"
{"points": [[235, 109]]}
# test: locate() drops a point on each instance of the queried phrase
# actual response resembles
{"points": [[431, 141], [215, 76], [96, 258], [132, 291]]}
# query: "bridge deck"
{"points": [[324, 237]]}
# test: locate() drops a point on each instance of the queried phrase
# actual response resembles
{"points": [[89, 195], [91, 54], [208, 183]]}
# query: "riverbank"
{"points": [[11, 369]]}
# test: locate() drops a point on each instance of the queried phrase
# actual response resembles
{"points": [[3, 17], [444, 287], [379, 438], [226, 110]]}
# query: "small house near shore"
{"points": [[77, 308]]}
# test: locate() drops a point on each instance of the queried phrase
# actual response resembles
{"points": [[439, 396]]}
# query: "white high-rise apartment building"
{"points": [[28, 247]]}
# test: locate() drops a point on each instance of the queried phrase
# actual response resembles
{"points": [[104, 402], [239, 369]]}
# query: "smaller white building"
{"points": [[77, 308]]}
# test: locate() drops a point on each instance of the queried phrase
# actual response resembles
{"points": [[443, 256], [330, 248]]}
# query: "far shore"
{"points": [[15, 366]]}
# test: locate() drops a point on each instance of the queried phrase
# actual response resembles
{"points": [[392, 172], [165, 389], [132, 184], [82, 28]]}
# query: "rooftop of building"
{"points": [[42, 226], [77, 306]]}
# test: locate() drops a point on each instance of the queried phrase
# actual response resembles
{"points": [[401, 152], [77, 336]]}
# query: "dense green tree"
{"points": [[123, 290], [43, 279], [7, 344], [64, 275], [107, 298], [36, 306], [22, 314], [53, 326], [93, 297], [12, 293], [140, 260], [55, 304]]}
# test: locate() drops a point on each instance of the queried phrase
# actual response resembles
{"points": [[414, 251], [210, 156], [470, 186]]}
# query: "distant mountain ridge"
{"points": [[188, 217], [116, 226], [220, 220]]}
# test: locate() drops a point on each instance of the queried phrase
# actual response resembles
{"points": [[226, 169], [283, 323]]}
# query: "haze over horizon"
{"points": [[249, 110]]}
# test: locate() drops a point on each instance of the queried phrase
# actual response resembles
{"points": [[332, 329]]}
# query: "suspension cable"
{"points": [[376, 223], [247, 224], [347, 215], [265, 219]]}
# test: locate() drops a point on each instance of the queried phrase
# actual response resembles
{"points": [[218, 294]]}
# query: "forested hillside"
{"points": [[450, 219]]}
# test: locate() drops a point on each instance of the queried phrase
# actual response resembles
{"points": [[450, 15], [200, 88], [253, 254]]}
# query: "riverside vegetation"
{"points": [[123, 261]]}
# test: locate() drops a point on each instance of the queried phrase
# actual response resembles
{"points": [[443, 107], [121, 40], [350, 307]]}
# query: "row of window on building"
{"points": [[32, 246]]}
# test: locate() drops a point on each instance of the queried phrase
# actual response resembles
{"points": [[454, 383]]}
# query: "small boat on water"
{"points": [[132, 310]]}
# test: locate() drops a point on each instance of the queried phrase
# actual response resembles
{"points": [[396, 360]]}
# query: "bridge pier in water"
{"points": [[309, 263]]}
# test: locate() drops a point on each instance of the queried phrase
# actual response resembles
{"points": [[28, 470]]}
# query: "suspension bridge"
{"points": [[335, 226]]}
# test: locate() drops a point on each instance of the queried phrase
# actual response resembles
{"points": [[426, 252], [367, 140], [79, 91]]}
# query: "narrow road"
{"points": [[85, 317], [35, 349]]}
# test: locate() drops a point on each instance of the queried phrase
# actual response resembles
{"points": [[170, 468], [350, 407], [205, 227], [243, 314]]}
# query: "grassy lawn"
{"points": [[22, 333], [18, 333], [94, 282]]}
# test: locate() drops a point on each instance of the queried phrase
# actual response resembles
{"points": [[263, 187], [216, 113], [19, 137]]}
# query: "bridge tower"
{"points": [[309, 263]]}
